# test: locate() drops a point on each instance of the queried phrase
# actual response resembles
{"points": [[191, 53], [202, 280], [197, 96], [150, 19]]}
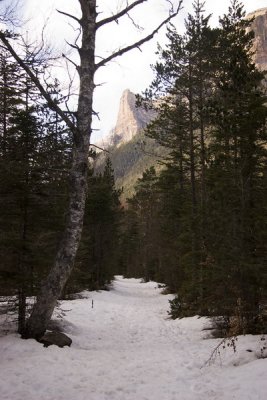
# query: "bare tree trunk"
{"points": [[59, 274]]}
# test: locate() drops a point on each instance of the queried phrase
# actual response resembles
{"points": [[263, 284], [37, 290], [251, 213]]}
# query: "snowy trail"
{"points": [[125, 348]]}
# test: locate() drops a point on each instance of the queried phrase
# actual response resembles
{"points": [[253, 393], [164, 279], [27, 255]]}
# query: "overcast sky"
{"points": [[130, 71]]}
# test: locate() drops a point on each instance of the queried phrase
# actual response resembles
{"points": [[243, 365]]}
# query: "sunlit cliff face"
{"points": [[259, 27], [130, 120]]}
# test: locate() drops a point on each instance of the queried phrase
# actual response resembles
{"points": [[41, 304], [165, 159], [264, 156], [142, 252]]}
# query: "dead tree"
{"points": [[81, 131]]}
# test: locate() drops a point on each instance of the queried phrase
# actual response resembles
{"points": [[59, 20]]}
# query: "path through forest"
{"points": [[126, 348]]}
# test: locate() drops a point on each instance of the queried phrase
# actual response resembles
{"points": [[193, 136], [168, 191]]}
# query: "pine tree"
{"points": [[98, 253], [213, 120], [31, 142], [238, 116], [145, 205], [185, 75]]}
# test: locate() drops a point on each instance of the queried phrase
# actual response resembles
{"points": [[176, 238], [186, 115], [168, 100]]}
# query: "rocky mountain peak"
{"points": [[259, 26], [130, 120]]}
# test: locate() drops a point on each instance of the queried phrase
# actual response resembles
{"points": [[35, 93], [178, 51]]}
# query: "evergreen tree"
{"points": [[210, 212], [144, 205], [30, 186], [238, 117], [184, 75], [98, 253]]}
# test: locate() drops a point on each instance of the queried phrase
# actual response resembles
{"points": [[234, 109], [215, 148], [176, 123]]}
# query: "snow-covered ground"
{"points": [[126, 348]]}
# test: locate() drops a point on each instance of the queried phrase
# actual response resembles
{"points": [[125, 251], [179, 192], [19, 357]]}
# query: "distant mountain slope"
{"points": [[130, 160], [130, 152]]}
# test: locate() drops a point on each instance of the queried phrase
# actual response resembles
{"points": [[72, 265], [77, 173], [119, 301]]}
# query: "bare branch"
{"points": [[140, 28], [79, 29], [100, 148], [73, 46], [69, 15], [171, 5], [72, 62], [100, 84], [115, 17], [51, 103], [78, 35], [72, 114], [9, 15], [41, 52], [140, 42], [96, 114]]}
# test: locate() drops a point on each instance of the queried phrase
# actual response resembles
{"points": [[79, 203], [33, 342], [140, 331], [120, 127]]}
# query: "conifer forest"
{"points": [[197, 221]]}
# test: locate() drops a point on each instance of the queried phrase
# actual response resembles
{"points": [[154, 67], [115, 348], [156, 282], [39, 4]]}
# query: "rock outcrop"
{"points": [[130, 120], [259, 26]]}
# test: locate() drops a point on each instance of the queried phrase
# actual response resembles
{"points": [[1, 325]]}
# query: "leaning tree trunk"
{"points": [[64, 261]]}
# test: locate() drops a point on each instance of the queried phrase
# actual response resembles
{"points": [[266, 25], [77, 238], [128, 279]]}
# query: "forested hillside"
{"points": [[130, 160]]}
